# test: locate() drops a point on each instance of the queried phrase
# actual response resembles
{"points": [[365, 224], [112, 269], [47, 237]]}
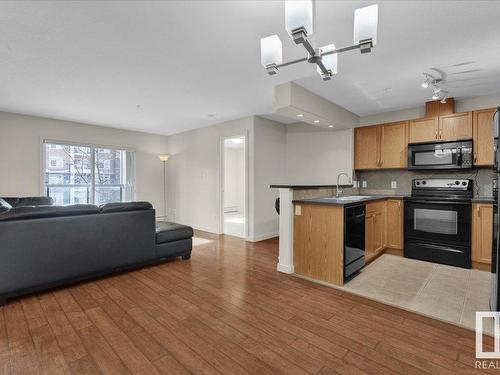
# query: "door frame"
{"points": [[221, 181]]}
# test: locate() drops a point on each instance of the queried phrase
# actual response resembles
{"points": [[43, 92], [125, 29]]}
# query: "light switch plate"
{"points": [[394, 184], [298, 210], [365, 184]]}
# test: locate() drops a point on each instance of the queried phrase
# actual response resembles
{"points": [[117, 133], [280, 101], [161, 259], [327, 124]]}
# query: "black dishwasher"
{"points": [[354, 240]]}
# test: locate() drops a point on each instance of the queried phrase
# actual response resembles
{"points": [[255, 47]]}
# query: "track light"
{"points": [[437, 92], [443, 101], [435, 96]]}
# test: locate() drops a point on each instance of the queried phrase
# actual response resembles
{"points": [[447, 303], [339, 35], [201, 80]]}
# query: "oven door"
{"points": [[434, 156], [438, 231], [438, 221]]}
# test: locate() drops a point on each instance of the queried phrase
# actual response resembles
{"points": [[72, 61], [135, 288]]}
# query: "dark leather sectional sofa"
{"points": [[44, 246]]}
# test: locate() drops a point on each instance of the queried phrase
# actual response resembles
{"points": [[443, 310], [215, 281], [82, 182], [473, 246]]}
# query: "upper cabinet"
{"points": [[443, 128], [381, 146], [455, 126], [482, 135], [424, 130]]}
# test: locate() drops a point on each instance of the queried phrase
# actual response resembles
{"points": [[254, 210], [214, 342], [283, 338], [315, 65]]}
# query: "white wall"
{"points": [[20, 153], [193, 174], [315, 155], [234, 178], [269, 167]]}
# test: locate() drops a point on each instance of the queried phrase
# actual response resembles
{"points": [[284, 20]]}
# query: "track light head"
{"points": [[425, 84]]}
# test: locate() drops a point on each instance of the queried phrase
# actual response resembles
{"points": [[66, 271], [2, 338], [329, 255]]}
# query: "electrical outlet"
{"points": [[365, 184], [298, 210], [394, 184]]}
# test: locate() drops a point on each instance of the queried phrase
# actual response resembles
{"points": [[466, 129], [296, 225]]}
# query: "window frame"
{"points": [[42, 166]]}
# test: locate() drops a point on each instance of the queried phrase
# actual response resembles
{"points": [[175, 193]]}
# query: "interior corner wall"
{"points": [[194, 174], [269, 168], [20, 153]]}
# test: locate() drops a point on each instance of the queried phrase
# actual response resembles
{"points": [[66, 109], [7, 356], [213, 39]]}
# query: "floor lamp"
{"points": [[164, 158]]}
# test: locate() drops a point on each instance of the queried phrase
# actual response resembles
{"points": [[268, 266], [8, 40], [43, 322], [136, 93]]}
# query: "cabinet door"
{"points": [[369, 235], [394, 224], [456, 126], [378, 235], [366, 148], [482, 232], [394, 145], [424, 130], [482, 134]]}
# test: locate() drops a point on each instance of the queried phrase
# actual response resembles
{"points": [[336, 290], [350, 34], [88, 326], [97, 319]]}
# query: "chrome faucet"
{"points": [[339, 192]]}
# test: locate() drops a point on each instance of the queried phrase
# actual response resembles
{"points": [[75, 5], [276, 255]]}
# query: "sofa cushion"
{"points": [[30, 201], [39, 212], [168, 232], [125, 206], [4, 206]]}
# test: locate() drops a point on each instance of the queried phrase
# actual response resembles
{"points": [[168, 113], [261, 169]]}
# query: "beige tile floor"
{"points": [[447, 293]]}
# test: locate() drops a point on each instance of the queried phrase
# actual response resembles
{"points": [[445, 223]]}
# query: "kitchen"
{"points": [[414, 227]]}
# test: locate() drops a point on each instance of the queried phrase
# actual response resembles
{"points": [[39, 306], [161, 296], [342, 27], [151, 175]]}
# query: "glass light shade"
{"points": [[299, 14], [366, 23], [329, 61], [163, 157], [271, 51]]}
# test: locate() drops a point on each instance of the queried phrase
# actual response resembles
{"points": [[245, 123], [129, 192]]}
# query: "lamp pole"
{"points": [[164, 158]]}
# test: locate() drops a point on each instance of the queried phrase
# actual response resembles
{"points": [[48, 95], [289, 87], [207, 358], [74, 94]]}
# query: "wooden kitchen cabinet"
{"points": [[394, 224], [366, 147], [394, 145], [318, 249], [482, 235], [482, 135], [424, 130], [455, 126], [374, 228], [443, 128], [381, 146]]}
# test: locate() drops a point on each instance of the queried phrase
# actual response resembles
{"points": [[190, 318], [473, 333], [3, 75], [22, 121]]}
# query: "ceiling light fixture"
{"points": [[437, 92], [330, 126], [299, 23], [300, 115], [316, 121]]}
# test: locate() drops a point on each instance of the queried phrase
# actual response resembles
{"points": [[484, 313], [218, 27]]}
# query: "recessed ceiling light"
{"points": [[316, 121], [330, 126], [300, 115]]}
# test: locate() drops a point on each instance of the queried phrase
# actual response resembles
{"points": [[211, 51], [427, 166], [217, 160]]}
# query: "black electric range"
{"points": [[438, 218]]}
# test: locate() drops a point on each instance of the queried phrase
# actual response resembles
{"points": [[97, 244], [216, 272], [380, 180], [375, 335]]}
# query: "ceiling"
{"points": [[164, 67]]}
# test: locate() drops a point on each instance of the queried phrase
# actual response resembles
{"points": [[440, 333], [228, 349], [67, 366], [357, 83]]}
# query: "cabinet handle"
{"points": [[436, 136], [475, 157], [441, 134]]}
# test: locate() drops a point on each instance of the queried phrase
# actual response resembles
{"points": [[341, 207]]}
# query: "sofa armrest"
{"points": [[29, 201]]}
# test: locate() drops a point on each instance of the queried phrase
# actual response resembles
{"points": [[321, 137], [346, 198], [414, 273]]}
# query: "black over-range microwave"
{"points": [[441, 155]]}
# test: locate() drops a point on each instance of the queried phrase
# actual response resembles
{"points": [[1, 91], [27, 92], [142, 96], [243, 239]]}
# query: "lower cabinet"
{"points": [[482, 235], [394, 214], [383, 226]]}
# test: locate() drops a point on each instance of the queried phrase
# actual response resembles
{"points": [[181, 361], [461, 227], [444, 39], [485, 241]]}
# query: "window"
{"points": [[79, 174]]}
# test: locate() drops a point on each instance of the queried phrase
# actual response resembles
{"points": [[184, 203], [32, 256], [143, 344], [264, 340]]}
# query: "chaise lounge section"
{"points": [[44, 246]]}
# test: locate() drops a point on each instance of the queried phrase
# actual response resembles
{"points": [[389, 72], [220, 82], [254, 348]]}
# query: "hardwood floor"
{"points": [[226, 311]]}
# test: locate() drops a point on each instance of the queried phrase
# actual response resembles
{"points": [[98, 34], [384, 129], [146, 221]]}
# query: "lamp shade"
{"points": [[271, 51], [365, 24], [299, 14], [163, 157], [329, 61]]}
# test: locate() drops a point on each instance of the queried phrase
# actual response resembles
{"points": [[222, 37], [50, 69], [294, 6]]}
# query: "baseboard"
{"points": [[262, 237], [481, 266], [285, 268]]}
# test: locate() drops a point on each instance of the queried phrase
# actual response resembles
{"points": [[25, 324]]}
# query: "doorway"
{"points": [[234, 191]]}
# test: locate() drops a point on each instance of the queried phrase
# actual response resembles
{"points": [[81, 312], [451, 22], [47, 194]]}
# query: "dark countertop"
{"points": [[483, 200], [331, 201], [291, 186]]}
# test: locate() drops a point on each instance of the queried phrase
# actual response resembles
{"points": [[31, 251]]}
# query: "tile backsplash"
{"points": [[379, 182]]}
